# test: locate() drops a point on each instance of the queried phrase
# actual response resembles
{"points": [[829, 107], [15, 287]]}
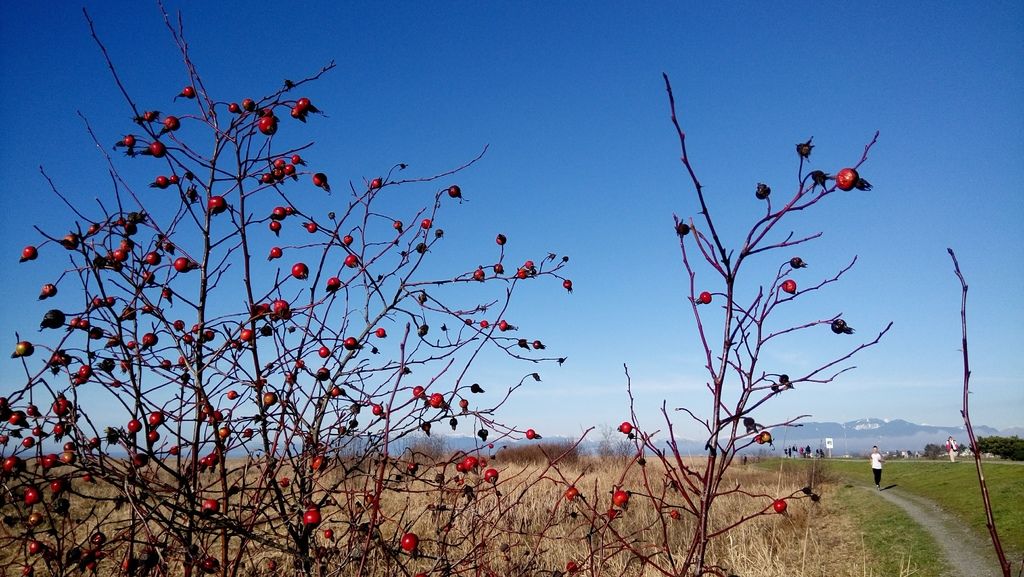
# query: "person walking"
{"points": [[951, 448], [876, 466]]}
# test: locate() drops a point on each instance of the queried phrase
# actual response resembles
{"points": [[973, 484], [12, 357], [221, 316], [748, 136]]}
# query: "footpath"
{"points": [[967, 554]]}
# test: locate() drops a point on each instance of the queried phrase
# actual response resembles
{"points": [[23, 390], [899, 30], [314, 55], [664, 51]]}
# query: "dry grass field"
{"points": [[521, 525]]}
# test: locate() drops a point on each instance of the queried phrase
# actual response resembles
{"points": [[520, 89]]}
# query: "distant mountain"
{"points": [[1012, 432], [852, 437], [858, 436]]}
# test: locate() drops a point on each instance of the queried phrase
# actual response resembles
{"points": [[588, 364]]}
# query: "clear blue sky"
{"points": [[583, 161]]}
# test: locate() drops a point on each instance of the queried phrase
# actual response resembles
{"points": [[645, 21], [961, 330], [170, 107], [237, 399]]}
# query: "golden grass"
{"points": [[523, 525]]}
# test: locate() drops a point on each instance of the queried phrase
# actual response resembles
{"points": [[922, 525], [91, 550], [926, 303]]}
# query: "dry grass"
{"points": [[523, 525]]}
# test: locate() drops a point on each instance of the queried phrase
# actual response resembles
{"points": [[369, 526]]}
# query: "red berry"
{"points": [[300, 271], [571, 493], [351, 261], [846, 179], [32, 495], [626, 427], [500, 239], [376, 183], [620, 498], [134, 426], [281, 308], [324, 352], [157, 149], [275, 252], [210, 506], [149, 340], [333, 284], [426, 224], [188, 92], [171, 123], [454, 191], [417, 391], [350, 344], [436, 400], [779, 505], [320, 179], [311, 518], [29, 253], [491, 475], [531, 434], [789, 286], [216, 204], [704, 298], [381, 333], [267, 124], [182, 264], [410, 541], [248, 105]]}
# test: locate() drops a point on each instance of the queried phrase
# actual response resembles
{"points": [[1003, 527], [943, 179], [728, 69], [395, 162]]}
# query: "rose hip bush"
{"points": [[737, 323], [244, 408], [666, 509]]}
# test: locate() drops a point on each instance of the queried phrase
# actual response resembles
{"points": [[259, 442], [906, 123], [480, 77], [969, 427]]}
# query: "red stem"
{"points": [[990, 521]]}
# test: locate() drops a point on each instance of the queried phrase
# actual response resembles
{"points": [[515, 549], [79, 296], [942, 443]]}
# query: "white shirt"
{"points": [[876, 460]]}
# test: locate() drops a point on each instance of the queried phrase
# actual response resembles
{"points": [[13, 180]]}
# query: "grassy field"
{"points": [[524, 526], [954, 486], [894, 544], [878, 538]]}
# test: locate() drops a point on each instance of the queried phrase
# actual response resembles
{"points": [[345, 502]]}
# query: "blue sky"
{"points": [[583, 161]]}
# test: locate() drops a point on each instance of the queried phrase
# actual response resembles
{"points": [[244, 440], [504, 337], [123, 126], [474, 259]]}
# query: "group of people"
{"points": [[803, 452], [952, 448]]}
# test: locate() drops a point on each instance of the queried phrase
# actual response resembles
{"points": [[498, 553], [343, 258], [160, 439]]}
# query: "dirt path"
{"points": [[969, 556]]}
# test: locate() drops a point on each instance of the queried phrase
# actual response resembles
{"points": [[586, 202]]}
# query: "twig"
{"points": [[990, 521]]}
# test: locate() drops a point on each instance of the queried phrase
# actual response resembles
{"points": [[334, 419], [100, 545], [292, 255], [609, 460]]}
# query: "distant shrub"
{"points": [[1005, 447], [565, 452]]}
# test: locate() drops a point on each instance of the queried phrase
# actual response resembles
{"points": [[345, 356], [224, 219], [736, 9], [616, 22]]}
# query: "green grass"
{"points": [[954, 486], [893, 542]]}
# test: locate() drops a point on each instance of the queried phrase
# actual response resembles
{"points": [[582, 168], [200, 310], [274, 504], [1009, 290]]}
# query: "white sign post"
{"points": [[828, 445]]}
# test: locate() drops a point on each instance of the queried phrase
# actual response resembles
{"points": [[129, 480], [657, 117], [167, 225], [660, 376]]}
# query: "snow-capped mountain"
{"points": [[859, 435]]}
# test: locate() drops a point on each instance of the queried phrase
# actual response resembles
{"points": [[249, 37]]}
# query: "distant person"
{"points": [[807, 452], [876, 466], [951, 448]]}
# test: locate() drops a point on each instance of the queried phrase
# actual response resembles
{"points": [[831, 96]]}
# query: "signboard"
{"points": [[828, 442]]}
